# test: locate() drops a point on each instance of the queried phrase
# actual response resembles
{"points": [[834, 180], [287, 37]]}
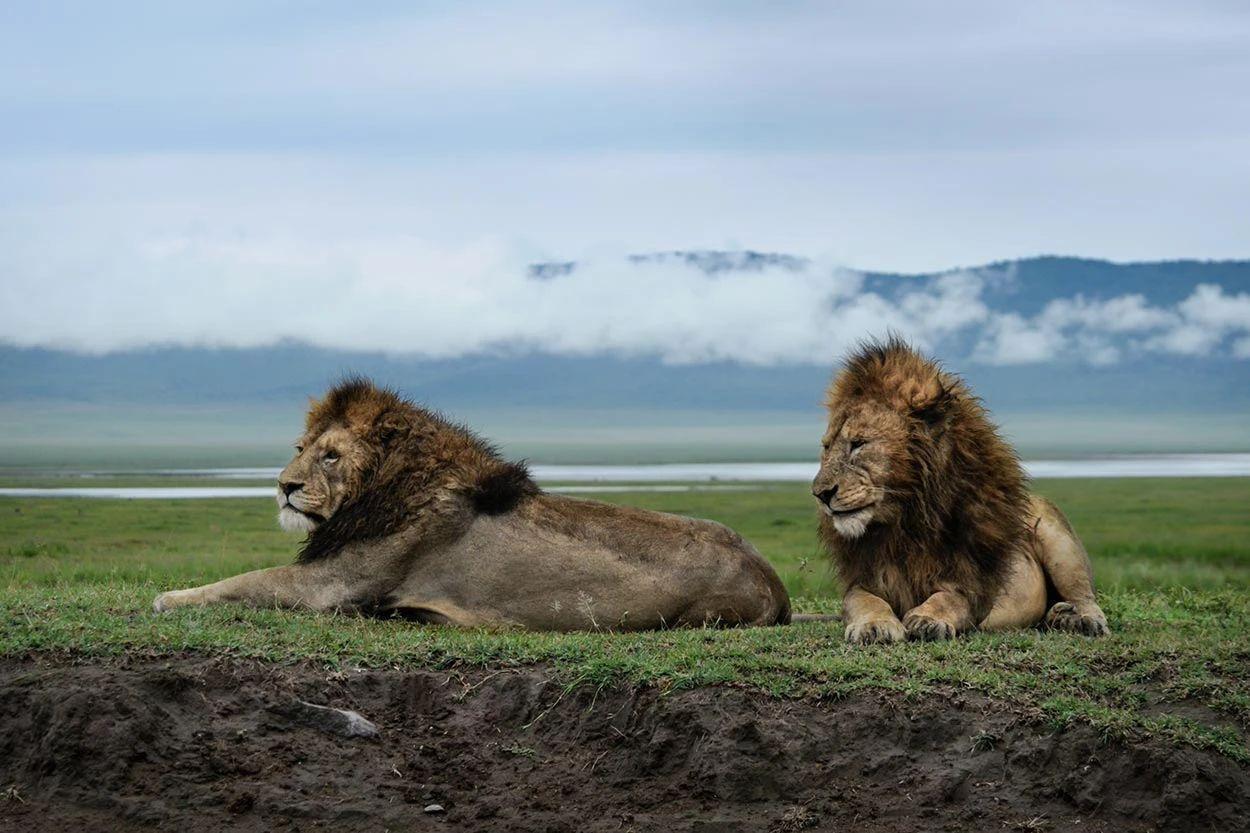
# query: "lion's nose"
{"points": [[826, 496], [290, 486]]}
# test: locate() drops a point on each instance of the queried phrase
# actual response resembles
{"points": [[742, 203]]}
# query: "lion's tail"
{"points": [[795, 618]]}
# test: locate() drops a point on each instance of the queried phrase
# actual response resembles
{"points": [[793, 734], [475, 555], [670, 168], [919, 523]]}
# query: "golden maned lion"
{"points": [[410, 515], [927, 515]]}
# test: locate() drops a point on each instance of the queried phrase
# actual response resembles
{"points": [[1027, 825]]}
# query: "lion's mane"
{"points": [[422, 471], [959, 487]]}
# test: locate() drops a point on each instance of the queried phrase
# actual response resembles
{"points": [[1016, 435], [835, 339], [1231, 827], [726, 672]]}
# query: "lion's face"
{"points": [[327, 470], [864, 455]]}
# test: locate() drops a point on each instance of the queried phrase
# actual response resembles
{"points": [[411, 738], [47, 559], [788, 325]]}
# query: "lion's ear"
{"points": [[928, 400], [390, 427], [500, 488]]}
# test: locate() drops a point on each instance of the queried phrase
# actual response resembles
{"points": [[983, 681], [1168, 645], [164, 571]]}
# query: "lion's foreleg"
{"points": [[869, 618], [941, 616], [314, 586]]}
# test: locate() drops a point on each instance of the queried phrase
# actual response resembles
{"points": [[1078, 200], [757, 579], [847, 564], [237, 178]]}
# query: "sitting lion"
{"points": [[408, 514], [926, 512]]}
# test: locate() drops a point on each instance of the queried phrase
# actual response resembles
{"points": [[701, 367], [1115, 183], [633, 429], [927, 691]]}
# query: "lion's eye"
{"points": [[330, 458], [299, 449], [856, 445]]}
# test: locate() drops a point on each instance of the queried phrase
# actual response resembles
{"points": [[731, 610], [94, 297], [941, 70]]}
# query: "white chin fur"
{"points": [[293, 521], [852, 525]]}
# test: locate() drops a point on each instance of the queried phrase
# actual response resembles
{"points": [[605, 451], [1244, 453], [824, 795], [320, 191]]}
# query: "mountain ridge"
{"points": [[287, 371]]}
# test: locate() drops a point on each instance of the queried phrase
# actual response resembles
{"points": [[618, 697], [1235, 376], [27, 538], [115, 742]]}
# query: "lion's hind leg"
{"points": [[1068, 571], [1021, 603]]}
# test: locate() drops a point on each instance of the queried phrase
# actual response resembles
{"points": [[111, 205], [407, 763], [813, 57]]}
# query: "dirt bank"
{"points": [[195, 743]]}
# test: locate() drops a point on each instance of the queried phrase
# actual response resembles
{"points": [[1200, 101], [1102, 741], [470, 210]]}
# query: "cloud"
{"points": [[1122, 314], [402, 294], [1104, 129], [1102, 331], [1204, 320], [1010, 339]]}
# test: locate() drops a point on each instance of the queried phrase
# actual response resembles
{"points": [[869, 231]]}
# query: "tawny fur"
{"points": [[418, 470], [926, 514], [414, 516], [957, 498]]}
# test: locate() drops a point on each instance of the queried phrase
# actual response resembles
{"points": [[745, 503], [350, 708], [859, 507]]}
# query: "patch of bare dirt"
{"points": [[199, 743]]}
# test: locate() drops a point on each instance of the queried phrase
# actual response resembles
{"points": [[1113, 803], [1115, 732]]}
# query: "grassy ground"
{"points": [[1172, 558]]}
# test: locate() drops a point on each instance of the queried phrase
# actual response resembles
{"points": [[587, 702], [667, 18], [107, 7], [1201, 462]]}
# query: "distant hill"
{"points": [[1027, 285], [289, 372]]}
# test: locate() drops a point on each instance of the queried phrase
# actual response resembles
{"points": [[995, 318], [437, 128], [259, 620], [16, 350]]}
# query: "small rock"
{"points": [[343, 722], [433, 808]]}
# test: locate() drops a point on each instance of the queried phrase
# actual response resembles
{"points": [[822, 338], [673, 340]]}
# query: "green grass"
{"points": [[1172, 559]]}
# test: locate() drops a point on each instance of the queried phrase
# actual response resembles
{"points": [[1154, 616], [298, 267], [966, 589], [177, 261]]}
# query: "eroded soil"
{"points": [[193, 743]]}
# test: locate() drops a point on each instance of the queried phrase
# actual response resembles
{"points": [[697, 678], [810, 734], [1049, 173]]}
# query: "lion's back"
{"points": [[629, 530]]}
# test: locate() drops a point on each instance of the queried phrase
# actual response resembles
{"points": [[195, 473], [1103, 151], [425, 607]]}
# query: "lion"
{"points": [[927, 515], [410, 515]]}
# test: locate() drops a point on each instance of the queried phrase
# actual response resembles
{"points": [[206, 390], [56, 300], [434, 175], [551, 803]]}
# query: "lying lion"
{"points": [[927, 515], [408, 514]]}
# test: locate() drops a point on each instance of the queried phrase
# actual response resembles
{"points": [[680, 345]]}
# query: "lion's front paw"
{"points": [[883, 631], [1087, 619], [926, 628], [168, 601]]}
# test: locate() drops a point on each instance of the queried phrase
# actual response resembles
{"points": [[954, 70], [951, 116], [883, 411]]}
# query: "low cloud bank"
{"points": [[403, 295], [1102, 332]]}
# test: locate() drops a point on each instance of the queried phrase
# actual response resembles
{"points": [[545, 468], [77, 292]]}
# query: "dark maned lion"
{"points": [[408, 514], [926, 512]]}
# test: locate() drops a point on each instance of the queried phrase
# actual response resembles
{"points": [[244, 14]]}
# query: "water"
{"points": [[673, 477]]}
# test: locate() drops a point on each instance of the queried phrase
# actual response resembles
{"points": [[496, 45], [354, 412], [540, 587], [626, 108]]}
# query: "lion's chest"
{"points": [[905, 584]]}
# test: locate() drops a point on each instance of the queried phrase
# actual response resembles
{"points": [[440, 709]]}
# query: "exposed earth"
{"points": [[193, 742]]}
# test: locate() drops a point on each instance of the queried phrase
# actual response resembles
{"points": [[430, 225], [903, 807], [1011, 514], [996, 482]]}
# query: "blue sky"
{"points": [[295, 144]]}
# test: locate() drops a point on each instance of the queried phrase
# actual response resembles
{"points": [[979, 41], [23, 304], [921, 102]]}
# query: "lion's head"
{"points": [[912, 470], [371, 463], [887, 417], [328, 467]]}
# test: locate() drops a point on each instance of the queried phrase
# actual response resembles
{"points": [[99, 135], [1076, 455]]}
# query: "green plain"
{"points": [[1172, 559]]}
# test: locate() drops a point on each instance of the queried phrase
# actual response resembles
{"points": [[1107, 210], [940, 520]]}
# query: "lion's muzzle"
{"points": [[292, 516]]}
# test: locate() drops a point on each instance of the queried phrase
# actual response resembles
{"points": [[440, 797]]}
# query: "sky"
{"points": [[378, 175]]}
